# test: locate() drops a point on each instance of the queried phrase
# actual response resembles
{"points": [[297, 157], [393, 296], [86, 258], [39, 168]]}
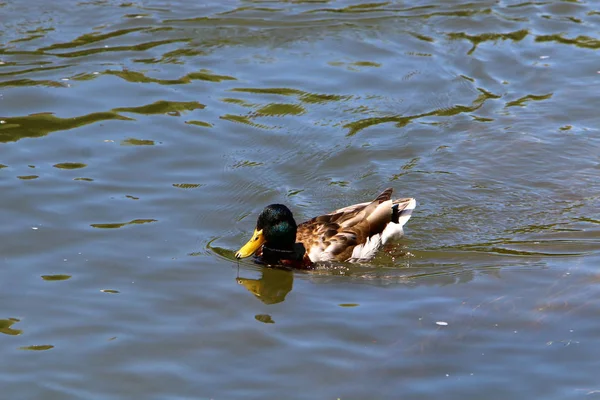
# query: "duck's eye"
{"points": [[255, 239]]}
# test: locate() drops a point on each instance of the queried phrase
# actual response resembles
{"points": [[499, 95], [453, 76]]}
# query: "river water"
{"points": [[139, 141]]}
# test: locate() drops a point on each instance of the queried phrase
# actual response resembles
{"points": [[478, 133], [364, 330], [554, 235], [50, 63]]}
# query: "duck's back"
{"points": [[355, 232]]}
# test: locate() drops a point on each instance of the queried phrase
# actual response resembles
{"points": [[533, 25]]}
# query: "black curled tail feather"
{"points": [[395, 214]]}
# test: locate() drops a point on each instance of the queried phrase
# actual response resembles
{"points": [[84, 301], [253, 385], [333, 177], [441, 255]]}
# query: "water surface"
{"points": [[139, 141]]}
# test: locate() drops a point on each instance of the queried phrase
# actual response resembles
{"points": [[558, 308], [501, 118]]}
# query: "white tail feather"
{"points": [[392, 231]]}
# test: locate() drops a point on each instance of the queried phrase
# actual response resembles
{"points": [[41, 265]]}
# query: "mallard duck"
{"points": [[352, 233]]}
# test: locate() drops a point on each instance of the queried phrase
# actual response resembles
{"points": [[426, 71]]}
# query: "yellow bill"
{"points": [[253, 244]]}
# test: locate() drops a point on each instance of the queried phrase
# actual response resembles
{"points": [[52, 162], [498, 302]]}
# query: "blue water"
{"points": [[139, 142]]}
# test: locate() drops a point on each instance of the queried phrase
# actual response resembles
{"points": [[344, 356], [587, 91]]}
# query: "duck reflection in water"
{"points": [[273, 285]]}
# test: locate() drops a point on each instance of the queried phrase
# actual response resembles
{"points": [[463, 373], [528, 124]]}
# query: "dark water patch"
{"points": [[280, 109], [554, 227], [410, 12], [83, 179], [303, 96], [163, 107], [250, 8], [402, 121], [476, 40], [138, 77], [85, 76], [294, 192], [70, 165], [6, 327], [207, 76], [481, 177], [240, 119], [354, 66], [123, 224], [239, 102], [223, 253], [187, 185], [28, 177], [264, 318], [32, 53], [522, 102], [359, 8], [482, 119], [89, 38], [37, 347], [137, 142], [114, 49], [339, 183], [38, 125], [245, 23], [587, 219], [527, 4], [33, 82], [316, 98], [33, 70], [33, 35], [423, 38], [533, 248], [582, 41], [57, 277], [366, 64], [136, 15], [173, 57], [277, 91], [199, 123], [247, 164], [110, 291]]}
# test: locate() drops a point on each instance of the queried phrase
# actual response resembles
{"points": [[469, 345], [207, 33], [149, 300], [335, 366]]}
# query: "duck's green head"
{"points": [[275, 229]]}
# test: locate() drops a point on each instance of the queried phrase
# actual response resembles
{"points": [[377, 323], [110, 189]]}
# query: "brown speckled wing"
{"points": [[340, 231]]}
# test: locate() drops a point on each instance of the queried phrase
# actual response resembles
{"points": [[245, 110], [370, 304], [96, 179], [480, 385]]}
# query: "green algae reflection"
{"points": [[280, 109], [163, 107], [5, 327], [137, 142], [38, 347], [240, 119], [516, 36], [137, 47], [89, 38], [303, 96], [199, 123], [57, 277], [187, 185], [264, 318], [523, 100], [401, 121], [38, 125], [122, 224], [70, 165], [172, 57], [138, 77], [585, 42]]}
